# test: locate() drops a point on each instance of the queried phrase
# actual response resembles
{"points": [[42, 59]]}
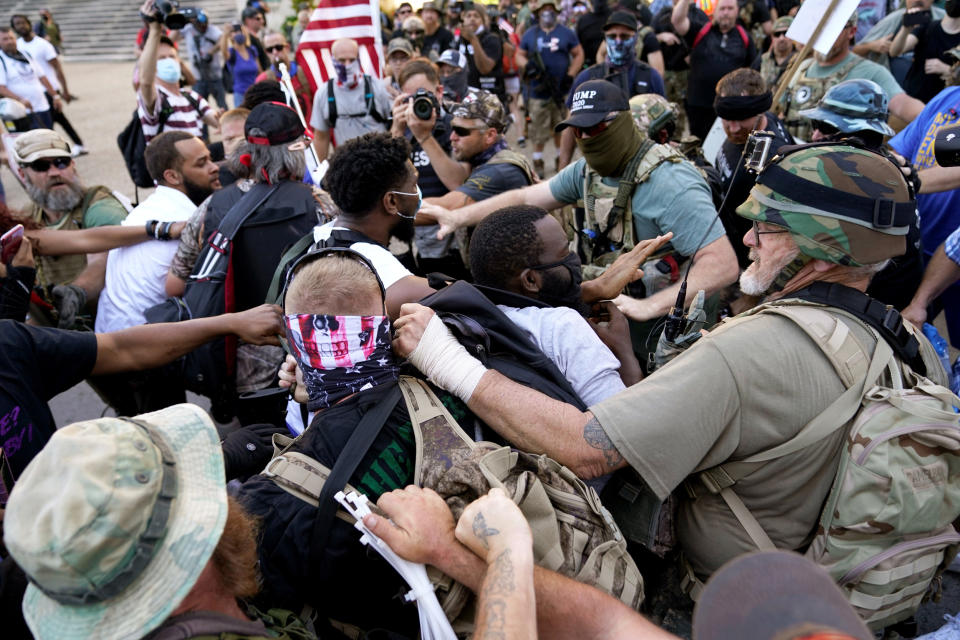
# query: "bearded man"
{"points": [[61, 201]]}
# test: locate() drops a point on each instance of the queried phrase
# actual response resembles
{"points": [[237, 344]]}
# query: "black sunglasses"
{"points": [[43, 164], [825, 128], [463, 132], [276, 47], [779, 34]]}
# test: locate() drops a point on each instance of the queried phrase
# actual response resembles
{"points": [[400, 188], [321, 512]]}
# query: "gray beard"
{"points": [[56, 200]]}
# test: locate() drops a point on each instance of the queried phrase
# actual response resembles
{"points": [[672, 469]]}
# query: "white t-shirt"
{"points": [[23, 79], [388, 268], [42, 53], [136, 275], [569, 341]]}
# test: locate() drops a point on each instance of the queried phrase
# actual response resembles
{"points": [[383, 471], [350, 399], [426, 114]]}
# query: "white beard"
{"points": [[757, 279]]}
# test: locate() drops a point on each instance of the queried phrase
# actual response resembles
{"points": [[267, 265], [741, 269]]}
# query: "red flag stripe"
{"points": [[333, 19]]}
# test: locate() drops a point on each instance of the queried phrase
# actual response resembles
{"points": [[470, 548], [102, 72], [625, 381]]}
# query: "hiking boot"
{"points": [[538, 167]]}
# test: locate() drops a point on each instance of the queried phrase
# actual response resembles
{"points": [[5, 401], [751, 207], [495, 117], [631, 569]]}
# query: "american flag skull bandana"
{"points": [[340, 355]]}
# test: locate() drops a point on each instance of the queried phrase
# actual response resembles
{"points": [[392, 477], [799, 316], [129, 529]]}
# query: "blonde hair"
{"points": [[334, 285]]}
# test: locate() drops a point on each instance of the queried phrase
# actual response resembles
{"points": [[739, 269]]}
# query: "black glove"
{"points": [[248, 449], [69, 300]]}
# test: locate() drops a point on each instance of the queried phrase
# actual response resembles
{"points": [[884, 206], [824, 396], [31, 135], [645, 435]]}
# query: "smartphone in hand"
{"points": [[10, 243]]}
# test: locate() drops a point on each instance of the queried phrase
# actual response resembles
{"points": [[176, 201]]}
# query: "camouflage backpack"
{"points": [[573, 533], [885, 533]]}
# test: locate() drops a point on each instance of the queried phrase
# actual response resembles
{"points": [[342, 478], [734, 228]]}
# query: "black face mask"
{"points": [[558, 291], [404, 230]]}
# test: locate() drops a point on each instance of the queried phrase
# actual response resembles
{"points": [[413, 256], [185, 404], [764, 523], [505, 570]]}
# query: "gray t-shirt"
{"points": [[352, 118], [674, 198], [863, 70]]}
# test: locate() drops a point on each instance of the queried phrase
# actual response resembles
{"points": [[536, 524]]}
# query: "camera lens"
{"points": [[423, 107]]}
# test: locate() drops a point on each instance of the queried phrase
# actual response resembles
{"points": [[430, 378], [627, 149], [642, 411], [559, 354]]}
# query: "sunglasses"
{"points": [[276, 47], [825, 128], [779, 34], [43, 164], [589, 132], [757, 233], [463, 132]]}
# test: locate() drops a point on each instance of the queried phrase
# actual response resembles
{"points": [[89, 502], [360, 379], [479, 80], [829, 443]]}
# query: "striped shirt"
{"points": [[952, 246], [184, 116]]}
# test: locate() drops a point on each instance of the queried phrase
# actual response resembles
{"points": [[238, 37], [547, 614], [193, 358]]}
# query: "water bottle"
{"points": [[939, 345]]}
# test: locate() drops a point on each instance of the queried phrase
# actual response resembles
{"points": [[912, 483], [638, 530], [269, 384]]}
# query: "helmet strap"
{"points": [[786, 274]]}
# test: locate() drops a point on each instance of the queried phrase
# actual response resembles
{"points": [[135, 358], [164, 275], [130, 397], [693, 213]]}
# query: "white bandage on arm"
{"points": [[445, 362]]}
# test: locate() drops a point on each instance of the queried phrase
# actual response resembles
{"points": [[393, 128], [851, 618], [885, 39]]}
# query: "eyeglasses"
{"points": [[779, 34], [276, 47], [463, 132], [589, 132], [825, 128], [42, 165], [757, 233]]}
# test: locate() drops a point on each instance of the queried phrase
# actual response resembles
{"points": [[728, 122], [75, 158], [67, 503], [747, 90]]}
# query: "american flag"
{"points": [[335, 19]]}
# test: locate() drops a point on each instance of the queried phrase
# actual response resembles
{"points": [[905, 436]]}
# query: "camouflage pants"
{"points": [[675, 83]]}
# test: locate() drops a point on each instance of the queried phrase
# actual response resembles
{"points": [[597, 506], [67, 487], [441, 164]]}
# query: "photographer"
{"points": [[929, 40], [429, 138], [200, 40], [483, 50]]}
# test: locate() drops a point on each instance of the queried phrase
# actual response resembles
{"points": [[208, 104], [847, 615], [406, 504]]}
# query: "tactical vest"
{"points": [[804, 92], [598, 203], [644, 31], [54, 270], [771, 71]]}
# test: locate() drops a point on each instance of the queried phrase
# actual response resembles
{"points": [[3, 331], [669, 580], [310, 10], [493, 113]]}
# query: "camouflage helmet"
{"points": [[853, 105], [841, 203], [652, 113], [482, 105]]}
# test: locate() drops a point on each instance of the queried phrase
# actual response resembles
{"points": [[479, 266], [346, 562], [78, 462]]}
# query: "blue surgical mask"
{"points": [[619, 52], [239, 38], [168, 70]]}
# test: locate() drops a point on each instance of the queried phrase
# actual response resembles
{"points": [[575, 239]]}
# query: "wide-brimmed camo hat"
{"points": [[114, 520]]}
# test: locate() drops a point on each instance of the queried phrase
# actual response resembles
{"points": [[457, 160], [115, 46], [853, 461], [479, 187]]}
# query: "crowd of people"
{"points": [[611, 386]]}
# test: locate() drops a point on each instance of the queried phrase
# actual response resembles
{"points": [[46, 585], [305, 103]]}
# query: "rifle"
{"points": [[314, 166], [548, 81]]}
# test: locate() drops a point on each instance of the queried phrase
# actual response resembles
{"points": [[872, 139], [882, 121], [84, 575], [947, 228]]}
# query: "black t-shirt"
{"points": [[932, 42], [288, 215], [726, 163], [716, 55], [489, 180], [590, 33], [492, 81], [434, 45], [675, 56], [430, 183], [357, 576], [35, 365]]}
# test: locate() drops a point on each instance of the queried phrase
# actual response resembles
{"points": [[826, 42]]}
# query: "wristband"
{"points": [[445, 362], [164, 230], [151, 227]]}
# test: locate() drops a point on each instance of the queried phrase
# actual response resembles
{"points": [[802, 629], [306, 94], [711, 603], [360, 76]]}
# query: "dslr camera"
{"points": [[425, 104], [172, 16]]}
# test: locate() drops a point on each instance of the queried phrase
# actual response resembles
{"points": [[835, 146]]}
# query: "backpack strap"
{"points": [[353, 453], [433, 426], [331, 105], [368, 97], [280, 273], [743, 36], [704, 30], [628, 183]]}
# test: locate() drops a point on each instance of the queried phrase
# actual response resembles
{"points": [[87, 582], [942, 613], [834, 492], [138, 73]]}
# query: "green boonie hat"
{"points": [[482, 105], [783, 23], [840, 203], [114, 520], [652, 112]]}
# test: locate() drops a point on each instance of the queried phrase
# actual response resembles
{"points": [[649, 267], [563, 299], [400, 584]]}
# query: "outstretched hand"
{"points": [[420, 525], [260, 325], [624, 270], [446, 218]]}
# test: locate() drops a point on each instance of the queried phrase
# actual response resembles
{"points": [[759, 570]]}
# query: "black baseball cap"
{"points": [[591, 102], [271, 123], [622, 18]]}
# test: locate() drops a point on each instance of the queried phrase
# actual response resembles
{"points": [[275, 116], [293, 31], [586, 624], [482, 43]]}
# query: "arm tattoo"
{"points": [[481, 530], [498, 584], [597, 438]]}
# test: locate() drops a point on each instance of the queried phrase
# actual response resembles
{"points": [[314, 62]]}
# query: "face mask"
{"points": [[168, 70], [952, 7], [609, 152], [456, 85], [347, 73], [619, 52], [238, 38], [340, 355], [558, 291], [548, 19]]}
